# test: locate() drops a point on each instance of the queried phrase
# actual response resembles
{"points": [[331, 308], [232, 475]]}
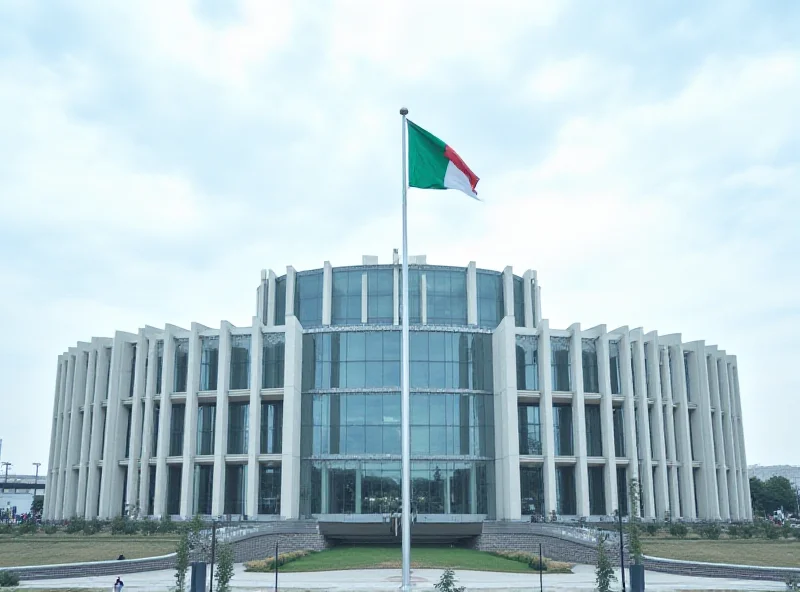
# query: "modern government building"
{"points": [[297, 416]]}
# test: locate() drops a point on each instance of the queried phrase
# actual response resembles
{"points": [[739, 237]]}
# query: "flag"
{"points": [[432, 164]]}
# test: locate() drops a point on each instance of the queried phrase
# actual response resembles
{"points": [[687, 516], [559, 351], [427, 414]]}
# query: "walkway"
{"points": [[386, 580]]}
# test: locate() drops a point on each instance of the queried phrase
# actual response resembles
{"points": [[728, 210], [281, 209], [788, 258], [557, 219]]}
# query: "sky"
{"points": [[643, 158]]}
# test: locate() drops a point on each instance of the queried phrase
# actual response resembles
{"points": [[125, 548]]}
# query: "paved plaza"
{"points": [[389, 579]]}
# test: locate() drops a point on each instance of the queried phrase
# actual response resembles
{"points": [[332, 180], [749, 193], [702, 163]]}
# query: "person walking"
{"points": [[118, 585]]}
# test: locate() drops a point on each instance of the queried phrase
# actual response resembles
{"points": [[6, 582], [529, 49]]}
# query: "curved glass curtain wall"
{"points": [[350, 438]]}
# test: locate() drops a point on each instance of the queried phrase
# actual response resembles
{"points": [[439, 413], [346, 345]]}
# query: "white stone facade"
{"points": [[680, 401]]}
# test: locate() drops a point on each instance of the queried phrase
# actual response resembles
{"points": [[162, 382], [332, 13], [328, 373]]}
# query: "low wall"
{"points": [[93, 568], [719, 570]]}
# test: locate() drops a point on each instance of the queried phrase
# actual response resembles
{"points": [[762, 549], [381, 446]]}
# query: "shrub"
{"points": [[75, 525], [224, 571], [748, 530], [604, 570], [532, 560], [652, 528], [268, 564], [118, 525], [8, 579], [772, 532], [166, 525], [27, 527], [6, 528], [796, 533], [734, 531], [447, 583], [92, 527], [149, 527], [181, 562], [131, 527], [678, 529], [50, 529], [711, 531]]}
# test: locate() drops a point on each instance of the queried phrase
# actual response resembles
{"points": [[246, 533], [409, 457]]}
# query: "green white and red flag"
{"points": [[432, 164]]}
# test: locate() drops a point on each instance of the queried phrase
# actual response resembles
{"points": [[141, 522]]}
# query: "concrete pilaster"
{"points": [[660, 485], [98, 434], [707, 496], [147, 422], [253, 444], [643, 411], [472, 294], [719, 439], [508, 292], [682, 437], [137, 421], [271, 300], [745, 477], [669, 424], [86, 430], [75, 425], [629, 409], [607, 422], [529, 296], [327, 292], [546, 419], [221, 428], [727, 428], [291, 287], [579, 421], [164, 421], [290, 455], [507, 484], [190, 419], [55, 450], [64, 435]]}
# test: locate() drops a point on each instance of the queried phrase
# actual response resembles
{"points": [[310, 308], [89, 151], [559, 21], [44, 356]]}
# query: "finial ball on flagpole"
{"points": [[403, 111]]}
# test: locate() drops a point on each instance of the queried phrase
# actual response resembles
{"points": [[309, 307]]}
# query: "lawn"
{"points": [[778, 553], [42, 549], [377, 557]]}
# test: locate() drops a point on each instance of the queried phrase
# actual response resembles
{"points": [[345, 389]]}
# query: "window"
{"points": [[151, 489], [686, 373], [594, 434], [414, 298], [308, 298], [206, 420], [235, 484], [362, 359], [174, 477], [238, 427], [240, 362], [108, 372], [531, 491], [591, 383], [272, 361], [613, 361], [519, 302], [203, 488], [560, 363], [271, 427], [562, 430], [451, 360], [530, 436], [622, 490], [129, 415], [156, 419], [446, 295], [280, 300], [209, 363], [527, 362], [491, 306], [380, 296], [181, 364], [177, 420], [452, 425], [597, 491], [133, 371], [565, 491], [269, 489], [634, 357], [159, 365], [346, 303], [619, 432]]}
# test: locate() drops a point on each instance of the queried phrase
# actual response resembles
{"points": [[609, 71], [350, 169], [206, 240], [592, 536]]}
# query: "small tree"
{"points": [[447, 583], [634, 529], [224, 568], [181, 562], [604, 570]]}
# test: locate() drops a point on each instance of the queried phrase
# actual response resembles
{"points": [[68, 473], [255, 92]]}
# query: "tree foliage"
{"points": [[634, 528], [224, 572], [773, 494], [182, 562], [604, 570]]}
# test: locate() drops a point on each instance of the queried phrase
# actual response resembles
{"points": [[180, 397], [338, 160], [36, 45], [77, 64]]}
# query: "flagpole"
{"points": [[405, 403]]}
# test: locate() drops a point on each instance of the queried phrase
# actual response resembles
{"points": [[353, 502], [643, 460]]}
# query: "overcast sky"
{"points": [[155, 156]]}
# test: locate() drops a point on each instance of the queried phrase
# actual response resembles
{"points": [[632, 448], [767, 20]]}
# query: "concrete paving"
{"points": [[385, 580]]}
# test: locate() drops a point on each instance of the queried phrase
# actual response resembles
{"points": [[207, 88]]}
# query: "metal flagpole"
{"points": [[405, 404]]}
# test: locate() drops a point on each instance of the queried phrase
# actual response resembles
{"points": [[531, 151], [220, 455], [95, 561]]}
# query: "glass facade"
{"points": [[597, 491], [273, 356], [308, 298], [591, 382], [519, 301], [622, 490], [491, 306], [174, 476], [594, 434], [209, 363], [414, 297], [206, 425], [132, 373], [159, 365], [446, 360], [280, 300], [235, 485], [613, 361], [565, 491], [363, 359], [271, 427], [380, 296], [177, 418], [240, 362], [346, 302], [238, 428], [560, 363], [156, 420], [181, 365], [562, 429], [269, 489], [531, 490], [619, 431], [530, 433], [446, 296], [686, 375], [203, 488], [527, 363]]}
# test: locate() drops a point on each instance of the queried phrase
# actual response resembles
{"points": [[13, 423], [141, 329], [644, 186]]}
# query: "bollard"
{"points": [[198, 580]]}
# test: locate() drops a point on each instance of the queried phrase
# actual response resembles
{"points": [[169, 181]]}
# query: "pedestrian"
{"points": [[118, 585]]}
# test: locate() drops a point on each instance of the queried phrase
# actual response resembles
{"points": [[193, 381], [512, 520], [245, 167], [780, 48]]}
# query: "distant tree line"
{"points": [[773, 494]]}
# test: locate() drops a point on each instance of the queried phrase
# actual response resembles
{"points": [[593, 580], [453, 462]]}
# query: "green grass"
{"points": [[42, 549], [376, 557], [777, 553]]}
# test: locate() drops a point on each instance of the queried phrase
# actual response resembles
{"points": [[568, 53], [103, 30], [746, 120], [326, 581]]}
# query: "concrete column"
{"points": [[47, 507], [508, 293], [743, 453], [579, 422], [682, 438], [643, 411], [221, 427], [660, 484], [55, 444], [727, 428], [629, 408], [147, 422], [472, 294], [98, 434], [291, 285], [327, 292], [75, 425], [719, 440], [743, 503], [253, 442], [669, 425], [111, 483], [546, 418], [271, 299], [137, 421], [396, 296], [507, 485], [164, 421], [86, 430], [528, 293], [537, 302], [707, 496], [607, 421], [64, 436], [290, 455], [190, 419]]}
